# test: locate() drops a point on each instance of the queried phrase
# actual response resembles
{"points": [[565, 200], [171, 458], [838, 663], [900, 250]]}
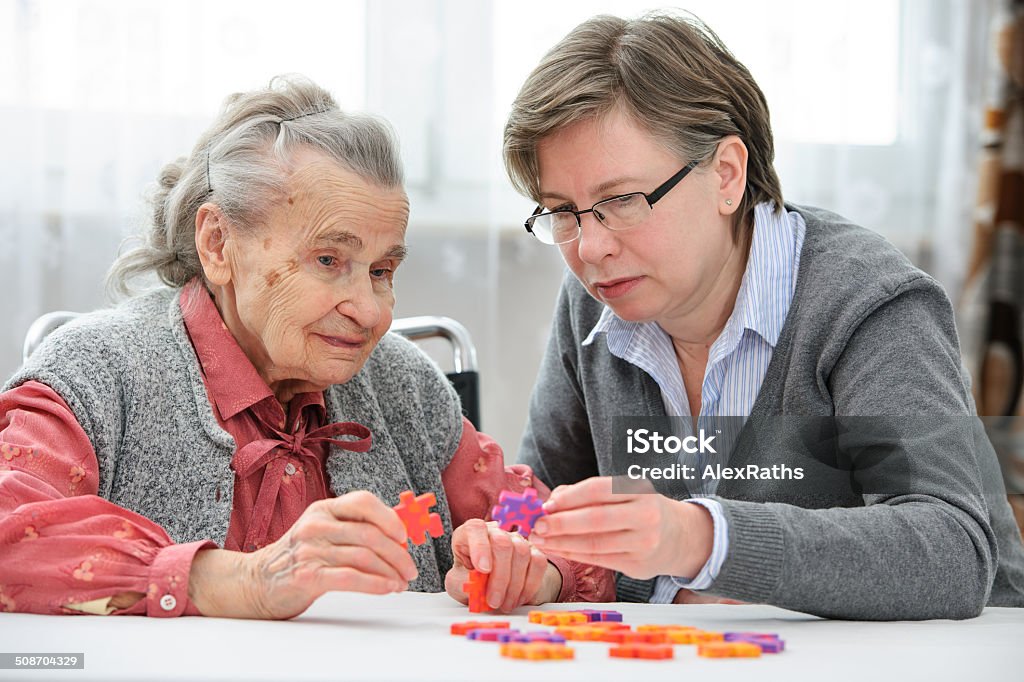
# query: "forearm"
{"points": [[918, 559], [218, 583]]}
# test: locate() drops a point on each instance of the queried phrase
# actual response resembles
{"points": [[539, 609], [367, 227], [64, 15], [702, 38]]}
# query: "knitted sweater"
{"points": [[866, 334], [131, 377]]}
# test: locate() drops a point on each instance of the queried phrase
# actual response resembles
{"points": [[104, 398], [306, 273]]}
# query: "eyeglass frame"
{"points": [[651, 198]]}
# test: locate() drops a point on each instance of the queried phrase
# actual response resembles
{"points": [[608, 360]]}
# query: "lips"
{"points": [[614, 288], [344, 341]]}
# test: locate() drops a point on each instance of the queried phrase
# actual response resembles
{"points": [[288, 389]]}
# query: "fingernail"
{"points": [[540, 527], [537, 540], [485, 565], [493, 601]]}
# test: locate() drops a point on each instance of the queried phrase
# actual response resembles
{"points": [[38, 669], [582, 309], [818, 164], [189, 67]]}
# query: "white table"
{"points": [[406, 636]]}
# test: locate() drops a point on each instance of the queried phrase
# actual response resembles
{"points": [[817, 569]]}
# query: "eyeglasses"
{"points": [[622, 212]]}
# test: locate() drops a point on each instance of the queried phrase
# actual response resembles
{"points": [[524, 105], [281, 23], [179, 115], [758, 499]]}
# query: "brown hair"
{"points": [[670, 73]]}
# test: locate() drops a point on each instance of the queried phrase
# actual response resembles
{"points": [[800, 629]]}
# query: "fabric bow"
{"points": [[272, 453]]}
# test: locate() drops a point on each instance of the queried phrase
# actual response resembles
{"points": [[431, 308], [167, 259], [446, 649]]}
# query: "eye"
{"points": [[327, 261], [382, 273]]}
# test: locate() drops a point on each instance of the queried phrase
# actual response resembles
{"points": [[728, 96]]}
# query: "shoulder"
{"points": [[398, 370], [847, 271], [104, 338], [850, 255], [92, 361]]}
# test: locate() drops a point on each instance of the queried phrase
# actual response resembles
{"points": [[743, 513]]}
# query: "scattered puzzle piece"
{"points": [[535, 616], [415, 514], [538, 651], [562, 618], [476, 590], [518, 511], [676, 634], [594, 616], [703, 637], [729, 650], [581, 633], [466, 626], [769, 643], [489, 634], [651, 651], [608, 625], [536, 636], [627, 637]]}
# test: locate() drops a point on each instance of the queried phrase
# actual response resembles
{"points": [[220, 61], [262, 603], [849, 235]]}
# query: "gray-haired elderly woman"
{"points": [[255, 401]]}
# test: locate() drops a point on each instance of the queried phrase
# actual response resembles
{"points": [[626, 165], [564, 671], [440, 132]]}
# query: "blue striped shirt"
{"points": [[737, 360]]}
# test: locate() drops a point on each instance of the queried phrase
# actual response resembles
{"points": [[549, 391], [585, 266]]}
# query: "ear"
{"points": [[731, 166], [212, 244]]}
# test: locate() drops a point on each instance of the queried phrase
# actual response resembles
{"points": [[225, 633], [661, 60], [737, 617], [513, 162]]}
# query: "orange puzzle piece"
{"points": [[563, 618], [628, 637], [539, 651], [581, 633], [651, 651], [729, 650], [415, 514], [464, 627], [476, 590], [677, 634]]}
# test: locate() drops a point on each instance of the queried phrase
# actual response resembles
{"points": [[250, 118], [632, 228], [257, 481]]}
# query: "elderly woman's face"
{"points": [[311, 292]]}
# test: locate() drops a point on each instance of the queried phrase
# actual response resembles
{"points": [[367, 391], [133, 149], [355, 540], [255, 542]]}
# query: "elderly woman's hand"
{"points": [[519, 573], [641, 535], [351, 543]]}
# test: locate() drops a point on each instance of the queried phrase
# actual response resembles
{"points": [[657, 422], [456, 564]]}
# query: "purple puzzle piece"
{"points": [[594, 615], [516, 511], [770, 643], [591, 614]]}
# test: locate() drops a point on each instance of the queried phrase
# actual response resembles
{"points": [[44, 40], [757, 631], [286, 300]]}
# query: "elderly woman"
{"points": [[229, 445], [697, 292]]}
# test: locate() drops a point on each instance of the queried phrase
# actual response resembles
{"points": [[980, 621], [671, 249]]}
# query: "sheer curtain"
{"points": [[876, 106]]}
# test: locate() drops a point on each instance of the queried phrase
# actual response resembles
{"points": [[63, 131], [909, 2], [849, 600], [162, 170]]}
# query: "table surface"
{"points": [[406, 636]]}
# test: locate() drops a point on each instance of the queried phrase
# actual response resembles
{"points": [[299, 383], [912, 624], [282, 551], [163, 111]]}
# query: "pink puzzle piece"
{"points": [[518, 511], [415, 514]]}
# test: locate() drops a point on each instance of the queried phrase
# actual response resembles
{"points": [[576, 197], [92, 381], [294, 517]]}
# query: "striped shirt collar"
{"points": [[762, 301]]}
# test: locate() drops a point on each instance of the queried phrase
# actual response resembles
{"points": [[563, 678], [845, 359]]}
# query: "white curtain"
{"points": [[876, 106]]}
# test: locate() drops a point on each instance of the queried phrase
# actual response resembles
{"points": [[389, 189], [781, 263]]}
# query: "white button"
{"points": [[168, 602], [289, 469]]}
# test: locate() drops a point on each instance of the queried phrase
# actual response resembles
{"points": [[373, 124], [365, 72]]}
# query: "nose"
{"points": [[361, 305], [596, 241]]}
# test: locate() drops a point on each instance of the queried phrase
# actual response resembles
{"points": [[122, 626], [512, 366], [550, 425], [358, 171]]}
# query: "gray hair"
{"points": [[670, 73], [241, 164]]}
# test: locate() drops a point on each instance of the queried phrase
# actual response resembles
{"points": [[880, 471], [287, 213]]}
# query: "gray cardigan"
{"points": [[131, 377], [866, 334]]}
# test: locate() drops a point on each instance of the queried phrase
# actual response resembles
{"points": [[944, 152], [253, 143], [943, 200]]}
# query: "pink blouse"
{"points": [[65, 550]]}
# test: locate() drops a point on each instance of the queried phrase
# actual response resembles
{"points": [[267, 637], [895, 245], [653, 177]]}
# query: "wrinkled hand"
{"points": [[519, 573], [349, 543], [641, 535]]}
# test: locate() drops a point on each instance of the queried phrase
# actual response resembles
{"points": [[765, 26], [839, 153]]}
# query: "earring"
{"points": [[728, 202]]}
